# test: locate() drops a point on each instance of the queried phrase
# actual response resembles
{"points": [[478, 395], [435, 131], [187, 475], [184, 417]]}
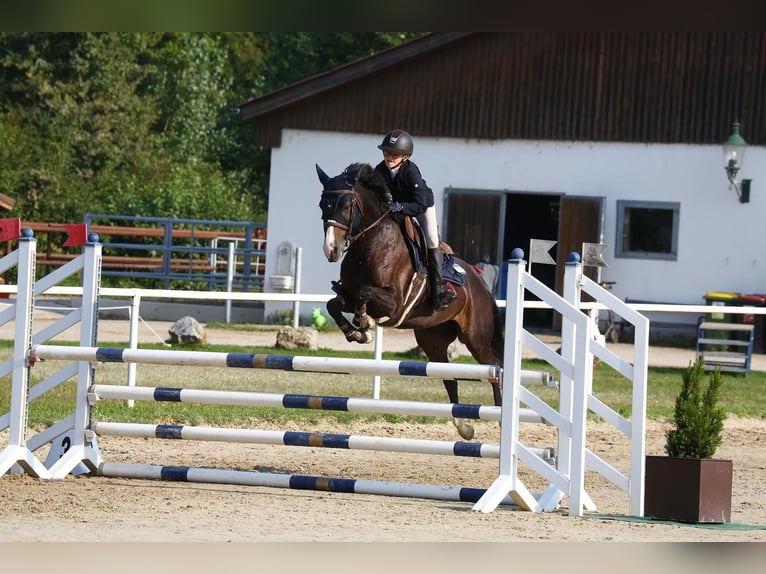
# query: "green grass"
{"points": [[741, 396]]}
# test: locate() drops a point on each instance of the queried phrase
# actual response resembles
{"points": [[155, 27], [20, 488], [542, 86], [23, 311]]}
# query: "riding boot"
{"points": [[441, 296]]}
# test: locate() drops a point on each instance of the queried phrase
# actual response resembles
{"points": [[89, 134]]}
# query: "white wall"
{"points": [[721, 241]]}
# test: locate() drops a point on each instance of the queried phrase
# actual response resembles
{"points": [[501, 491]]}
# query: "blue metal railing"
{"points": [[168, 249]]}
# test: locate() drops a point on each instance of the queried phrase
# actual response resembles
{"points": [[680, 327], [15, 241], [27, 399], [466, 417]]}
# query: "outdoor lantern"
{"points": [[733, 155]]}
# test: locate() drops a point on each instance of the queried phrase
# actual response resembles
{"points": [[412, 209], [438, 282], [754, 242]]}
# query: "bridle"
{"points": [[351, 227]]}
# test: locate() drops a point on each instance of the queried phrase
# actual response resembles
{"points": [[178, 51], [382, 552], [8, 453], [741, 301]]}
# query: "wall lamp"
{"points": [[733, 154]]}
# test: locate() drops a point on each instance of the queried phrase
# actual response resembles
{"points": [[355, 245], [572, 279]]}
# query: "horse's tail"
{"points": [[498, 336]]}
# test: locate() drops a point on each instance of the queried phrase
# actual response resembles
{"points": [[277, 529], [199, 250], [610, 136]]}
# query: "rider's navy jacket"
{"points": [[408, 187]]}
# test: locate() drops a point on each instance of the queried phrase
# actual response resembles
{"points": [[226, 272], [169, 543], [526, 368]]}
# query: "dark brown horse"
{"points": [[382, 282]]}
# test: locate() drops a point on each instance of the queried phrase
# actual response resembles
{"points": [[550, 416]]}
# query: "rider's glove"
{"points": [[396, 207]]}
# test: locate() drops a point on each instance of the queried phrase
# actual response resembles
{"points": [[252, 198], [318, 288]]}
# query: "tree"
{"points": [[78, 99], [144, 123], [698, 420], [295, 56]]}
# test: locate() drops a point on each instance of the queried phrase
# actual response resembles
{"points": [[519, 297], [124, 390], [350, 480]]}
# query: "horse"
{"points": [[382, 280]]}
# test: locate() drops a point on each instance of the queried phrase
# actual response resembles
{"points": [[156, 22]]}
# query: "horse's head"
{"points": [[351, 203]]}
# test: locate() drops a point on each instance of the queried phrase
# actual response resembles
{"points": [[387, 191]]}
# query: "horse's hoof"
{"points": [[465, 430], [361, 337], [366, 337]]}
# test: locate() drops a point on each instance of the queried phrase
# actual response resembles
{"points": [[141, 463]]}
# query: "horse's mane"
{"points": [[372, 181]]}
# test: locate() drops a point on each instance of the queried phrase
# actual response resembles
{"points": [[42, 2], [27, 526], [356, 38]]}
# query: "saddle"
{"points": [[415, 238]]}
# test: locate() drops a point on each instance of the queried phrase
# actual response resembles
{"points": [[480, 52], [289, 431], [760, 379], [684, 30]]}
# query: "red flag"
{"points": [[78, 234], [10, 229]]}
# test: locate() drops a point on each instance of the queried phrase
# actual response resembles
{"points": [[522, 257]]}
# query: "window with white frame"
{"points": [[647, 229]]}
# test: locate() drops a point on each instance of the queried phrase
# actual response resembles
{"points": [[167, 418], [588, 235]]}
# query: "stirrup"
{"points": [[443, 298]]}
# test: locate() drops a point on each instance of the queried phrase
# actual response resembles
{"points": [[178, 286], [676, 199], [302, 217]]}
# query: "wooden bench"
{"points": [[726, 346]]}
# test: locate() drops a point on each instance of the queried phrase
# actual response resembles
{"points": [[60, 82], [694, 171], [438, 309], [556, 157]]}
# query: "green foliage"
{"points": [[298, 55], [144, 123], [193, 75], [698, 419]]}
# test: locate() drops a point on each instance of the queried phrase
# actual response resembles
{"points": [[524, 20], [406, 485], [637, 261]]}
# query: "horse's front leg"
{"points": [[335, 308], [373, 303]]}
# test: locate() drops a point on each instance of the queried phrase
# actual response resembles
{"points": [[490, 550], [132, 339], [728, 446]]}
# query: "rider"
{"points": [[414, 198]]}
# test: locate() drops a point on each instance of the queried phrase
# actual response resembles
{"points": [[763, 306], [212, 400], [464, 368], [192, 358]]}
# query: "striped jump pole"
{"points": [[308, 439], [95, 393], [259, 361], [294, 481], [294, 401], [333, 365]]}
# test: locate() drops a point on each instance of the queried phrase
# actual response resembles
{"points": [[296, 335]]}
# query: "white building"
{"points": [[690, 232]]}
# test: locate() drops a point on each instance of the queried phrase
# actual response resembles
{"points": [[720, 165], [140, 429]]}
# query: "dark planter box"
{"points": [[688, 489]]}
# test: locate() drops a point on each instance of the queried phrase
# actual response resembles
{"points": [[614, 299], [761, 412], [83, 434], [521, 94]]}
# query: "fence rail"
{"points": [[211, 253]]}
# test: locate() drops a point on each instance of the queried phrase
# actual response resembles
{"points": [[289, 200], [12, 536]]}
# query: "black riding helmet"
{"points": [[397, 141]]}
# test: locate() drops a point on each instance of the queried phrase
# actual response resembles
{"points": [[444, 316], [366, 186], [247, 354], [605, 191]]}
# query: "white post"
{"points": [[378, 356], [571, 292], [83, 448], [231, 264], [583, 375], [638, 416], [508, 480], [17, 451], [133, 315], [297, 287]]}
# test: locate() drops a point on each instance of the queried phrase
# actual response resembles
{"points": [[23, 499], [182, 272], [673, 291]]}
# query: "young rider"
{"points": [[414, 198]]}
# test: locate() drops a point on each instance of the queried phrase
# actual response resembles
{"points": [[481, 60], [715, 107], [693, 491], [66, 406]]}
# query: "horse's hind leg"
{"points": [[464, 429], [484, 356], [435, 343], [478, 335]]}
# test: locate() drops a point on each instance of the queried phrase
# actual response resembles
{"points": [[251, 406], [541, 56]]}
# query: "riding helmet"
{"points": [[397, 141]]}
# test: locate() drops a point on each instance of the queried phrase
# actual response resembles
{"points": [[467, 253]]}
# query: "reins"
{"points": [[350, 237]]}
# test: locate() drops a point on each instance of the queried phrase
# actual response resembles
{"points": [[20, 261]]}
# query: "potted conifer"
{"points": [[689, 485]]}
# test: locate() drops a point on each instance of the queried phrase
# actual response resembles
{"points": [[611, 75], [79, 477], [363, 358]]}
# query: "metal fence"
{"points": [[229, 255]]}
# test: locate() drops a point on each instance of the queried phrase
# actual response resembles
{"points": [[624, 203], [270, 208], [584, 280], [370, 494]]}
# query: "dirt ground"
{"points": [[121, 510], [134, 510]]}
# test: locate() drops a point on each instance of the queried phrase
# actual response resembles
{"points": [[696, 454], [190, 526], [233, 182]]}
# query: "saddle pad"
{"points": [[452, 271]]}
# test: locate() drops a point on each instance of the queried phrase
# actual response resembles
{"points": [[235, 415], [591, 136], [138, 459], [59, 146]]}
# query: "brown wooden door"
{"points": [[581, 220], [473, 225]]}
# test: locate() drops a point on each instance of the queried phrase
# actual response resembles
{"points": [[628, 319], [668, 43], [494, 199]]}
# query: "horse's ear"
{"points": [[323, 177]]}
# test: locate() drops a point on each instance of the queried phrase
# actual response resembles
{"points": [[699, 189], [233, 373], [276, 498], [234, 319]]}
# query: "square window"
{"points": [[647, 229]]}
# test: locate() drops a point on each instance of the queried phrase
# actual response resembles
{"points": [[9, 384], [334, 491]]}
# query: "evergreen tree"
{"points": [[697, 417]]}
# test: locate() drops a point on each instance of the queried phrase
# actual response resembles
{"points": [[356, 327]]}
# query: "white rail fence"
{"points": [[134, 297]]}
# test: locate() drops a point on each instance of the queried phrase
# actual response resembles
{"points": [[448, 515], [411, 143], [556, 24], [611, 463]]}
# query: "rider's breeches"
{"points": [[428, 222]]}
